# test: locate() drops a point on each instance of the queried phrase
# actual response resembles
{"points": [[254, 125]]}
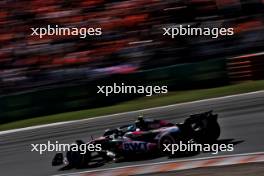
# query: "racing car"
{"points": [[144, 137]]}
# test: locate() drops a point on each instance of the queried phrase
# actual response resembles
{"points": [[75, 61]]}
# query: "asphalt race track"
{"points": [[241, 118]]}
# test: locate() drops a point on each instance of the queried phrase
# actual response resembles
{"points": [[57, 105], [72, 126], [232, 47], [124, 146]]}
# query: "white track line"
{"points": [[137, 111]]}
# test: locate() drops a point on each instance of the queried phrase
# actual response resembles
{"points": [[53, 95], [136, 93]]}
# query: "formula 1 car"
{"points": [[142, 138]]}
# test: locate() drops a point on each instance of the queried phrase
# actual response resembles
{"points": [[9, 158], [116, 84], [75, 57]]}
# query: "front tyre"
{"points": [[77, 160]]}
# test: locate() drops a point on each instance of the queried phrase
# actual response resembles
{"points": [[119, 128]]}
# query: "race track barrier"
{"points": [[203, 74], [210, 73]]}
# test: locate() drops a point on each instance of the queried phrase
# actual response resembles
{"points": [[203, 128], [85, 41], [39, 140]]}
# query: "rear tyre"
{"points": [[212, 133], [166, 140]]}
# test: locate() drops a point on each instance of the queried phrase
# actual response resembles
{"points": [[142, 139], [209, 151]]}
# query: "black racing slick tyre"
{"points": [[77, 160], [57, 160], [165, 143], [213, 133]]}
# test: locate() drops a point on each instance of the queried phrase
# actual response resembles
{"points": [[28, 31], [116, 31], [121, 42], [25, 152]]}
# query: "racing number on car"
{"points": [[135, 146]]}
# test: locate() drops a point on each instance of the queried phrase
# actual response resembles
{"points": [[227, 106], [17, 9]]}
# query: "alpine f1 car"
{"points": [[142, 138]]}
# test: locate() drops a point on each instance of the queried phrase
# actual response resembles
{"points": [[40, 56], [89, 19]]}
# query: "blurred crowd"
{"points": [[132, 37]]}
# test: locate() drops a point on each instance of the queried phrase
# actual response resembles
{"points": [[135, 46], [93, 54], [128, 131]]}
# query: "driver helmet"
{"points": [[140, 123], [131, 128]]}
